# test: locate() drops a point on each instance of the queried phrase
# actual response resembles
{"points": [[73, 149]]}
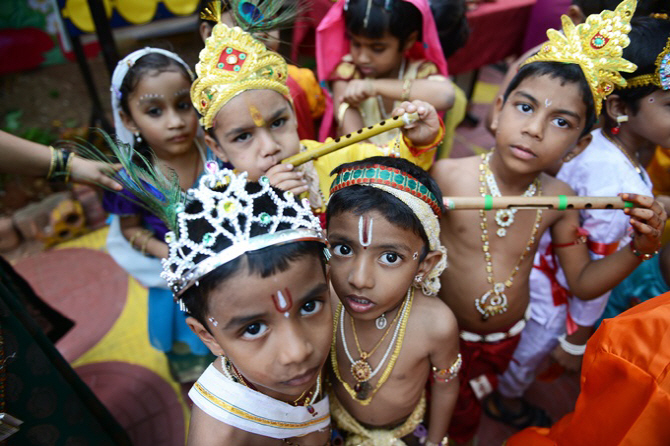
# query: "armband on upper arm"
{"points": [[446, 375]]}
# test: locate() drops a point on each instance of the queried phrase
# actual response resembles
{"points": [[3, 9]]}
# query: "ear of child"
{"points": [[205, 336]]}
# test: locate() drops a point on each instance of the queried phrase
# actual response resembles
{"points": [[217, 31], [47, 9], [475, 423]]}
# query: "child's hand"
{"points": [[571, 363], [357, 91], [648, 222], [424, 131], [285, 177]]}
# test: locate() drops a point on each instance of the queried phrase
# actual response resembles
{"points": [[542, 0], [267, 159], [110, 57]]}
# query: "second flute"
{"points": [[560, 202]]}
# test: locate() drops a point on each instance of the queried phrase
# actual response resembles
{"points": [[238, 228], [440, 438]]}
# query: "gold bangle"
{"points": [[341, 111], [406, 87], [68, 166], [52, 164], [143, 249]]}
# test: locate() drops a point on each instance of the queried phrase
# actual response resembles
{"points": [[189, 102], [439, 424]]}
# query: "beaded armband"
{"points": [[582, 237], [446, 375]]}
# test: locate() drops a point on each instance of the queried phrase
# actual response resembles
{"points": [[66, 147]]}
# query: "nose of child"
{"points": [[270, 146], [176, 120], [360, 277], [295, 347], [534, 127]]}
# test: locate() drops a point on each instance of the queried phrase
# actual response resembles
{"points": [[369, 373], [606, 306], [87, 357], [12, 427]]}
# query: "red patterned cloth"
{"points": [[479, 358]]}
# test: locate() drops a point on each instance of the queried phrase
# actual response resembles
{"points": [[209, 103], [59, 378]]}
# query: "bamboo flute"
{"points": [[560, 202], [352, 138]]}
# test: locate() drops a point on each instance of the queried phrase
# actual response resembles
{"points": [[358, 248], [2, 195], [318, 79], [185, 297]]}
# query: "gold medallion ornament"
{"points": [[232, 62], [596, 46]]}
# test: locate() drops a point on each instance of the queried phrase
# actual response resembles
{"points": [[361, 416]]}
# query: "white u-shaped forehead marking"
{"points": [[365, 230]]}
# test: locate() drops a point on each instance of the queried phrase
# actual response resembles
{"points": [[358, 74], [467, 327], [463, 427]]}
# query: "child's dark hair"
{"points": [[151, 64], [566, 72], [264, 262], [648, 37], [360, 199], [643, 8], [398, 17], [452, 24]]}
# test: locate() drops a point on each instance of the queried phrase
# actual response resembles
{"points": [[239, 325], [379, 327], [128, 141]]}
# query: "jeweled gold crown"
{"points": [[231, 63], [596, 46], [661, 77]]}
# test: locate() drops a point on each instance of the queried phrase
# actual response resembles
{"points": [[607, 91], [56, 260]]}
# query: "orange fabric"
{"points": [[625, 397], [658, 171], [603, 249]]}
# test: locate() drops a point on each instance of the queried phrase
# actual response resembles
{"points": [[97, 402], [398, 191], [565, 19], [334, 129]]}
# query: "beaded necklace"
{"points": [[504, 217], [494, 301], [363, 392]]}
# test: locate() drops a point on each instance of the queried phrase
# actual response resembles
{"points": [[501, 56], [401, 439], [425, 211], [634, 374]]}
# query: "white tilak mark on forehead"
{"points": [[365, 230], [283, 303], [547, 103]]}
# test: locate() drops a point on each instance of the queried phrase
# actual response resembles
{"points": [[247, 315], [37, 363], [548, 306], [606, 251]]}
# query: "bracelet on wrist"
{"points": [[443, 442], [406, 87], [143, 249], [641, 255], [569, 347]]}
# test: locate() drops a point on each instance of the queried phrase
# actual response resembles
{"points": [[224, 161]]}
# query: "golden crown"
{"points": [[596, 46], [231, 63], [661, 77]]}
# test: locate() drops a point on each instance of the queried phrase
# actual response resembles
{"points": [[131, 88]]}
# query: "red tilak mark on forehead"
{"points": [[283, 301]]}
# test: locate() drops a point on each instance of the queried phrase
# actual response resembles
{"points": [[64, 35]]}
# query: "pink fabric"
{"points": [[332, 45]]}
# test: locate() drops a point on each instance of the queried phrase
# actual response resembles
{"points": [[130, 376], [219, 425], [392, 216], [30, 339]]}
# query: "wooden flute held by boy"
{"points": [[560, 202], [352, 138]]}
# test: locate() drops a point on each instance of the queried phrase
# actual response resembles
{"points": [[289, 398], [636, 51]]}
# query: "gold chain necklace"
{"points": [[364, 394], [361, 369], [494, 301], [623, 150]]}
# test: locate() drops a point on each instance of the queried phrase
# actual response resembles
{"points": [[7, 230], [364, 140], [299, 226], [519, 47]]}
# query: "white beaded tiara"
{"points": [[223, 205]]}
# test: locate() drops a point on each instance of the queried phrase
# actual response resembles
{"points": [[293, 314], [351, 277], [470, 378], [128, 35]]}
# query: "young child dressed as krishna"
{"points": [[246, 110]]}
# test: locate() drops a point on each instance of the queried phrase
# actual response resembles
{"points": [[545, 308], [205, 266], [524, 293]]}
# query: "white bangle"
{"points": [[568, 347]]}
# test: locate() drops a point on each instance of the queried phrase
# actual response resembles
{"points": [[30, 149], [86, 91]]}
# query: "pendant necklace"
{"points": [[494, 301], [504, 217]]}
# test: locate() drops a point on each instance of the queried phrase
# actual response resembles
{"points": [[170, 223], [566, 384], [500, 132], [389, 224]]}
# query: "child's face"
{"points": [[377, 58], [374, 262], [254, 131], [540, 122], [161, 110], [652, 121], [275, 330]]}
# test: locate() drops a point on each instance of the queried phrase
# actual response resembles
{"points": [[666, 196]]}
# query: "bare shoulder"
{"points": [[450, 171], [207, 431], [554, 186], [435, 317]]}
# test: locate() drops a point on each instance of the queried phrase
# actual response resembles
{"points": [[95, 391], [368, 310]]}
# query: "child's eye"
{"points": [[390, 258], [524, 108], [341, 250], [184, 105], [311, 307], [378, 49], [278, 123], [255, 330], [154, 111], [242, 137], [562, 123]]}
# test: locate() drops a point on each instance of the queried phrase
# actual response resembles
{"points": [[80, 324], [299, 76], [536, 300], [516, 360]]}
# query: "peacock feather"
{"points": [[255, 16], [151, 189]]}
